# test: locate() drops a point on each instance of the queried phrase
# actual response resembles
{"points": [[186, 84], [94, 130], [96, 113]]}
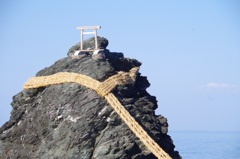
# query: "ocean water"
{"points": [[207, 144]]}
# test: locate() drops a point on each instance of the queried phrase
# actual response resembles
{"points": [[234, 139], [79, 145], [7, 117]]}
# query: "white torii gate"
{"points": [[84, 32]]}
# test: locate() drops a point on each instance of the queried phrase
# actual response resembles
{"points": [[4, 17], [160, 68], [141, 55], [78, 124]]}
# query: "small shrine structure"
{"points": [[84, 30]]}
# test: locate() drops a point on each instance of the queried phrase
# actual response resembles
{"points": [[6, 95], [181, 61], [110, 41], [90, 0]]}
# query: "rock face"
{"points": [[71, 121]]}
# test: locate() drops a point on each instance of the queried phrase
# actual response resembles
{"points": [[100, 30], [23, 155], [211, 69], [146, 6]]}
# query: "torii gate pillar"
{"points": [[83, 32]]}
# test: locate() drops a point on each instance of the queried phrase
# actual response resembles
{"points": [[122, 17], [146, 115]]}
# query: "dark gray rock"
{"points": [[70, 121], [89, 44]]}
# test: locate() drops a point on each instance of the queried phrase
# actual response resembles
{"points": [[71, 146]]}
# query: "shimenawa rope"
{"points": [[104, 90]]}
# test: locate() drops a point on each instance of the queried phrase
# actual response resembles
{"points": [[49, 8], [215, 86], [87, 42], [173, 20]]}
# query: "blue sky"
{"points": [[190, 51]]}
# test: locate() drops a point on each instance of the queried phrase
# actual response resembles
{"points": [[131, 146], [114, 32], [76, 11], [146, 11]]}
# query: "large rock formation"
{"points": [[71, 121]]}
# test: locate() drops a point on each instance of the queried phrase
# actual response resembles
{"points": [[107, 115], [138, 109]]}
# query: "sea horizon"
{"points": [[206, 144]]}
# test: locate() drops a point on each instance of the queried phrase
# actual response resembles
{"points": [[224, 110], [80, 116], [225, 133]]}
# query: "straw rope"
{"points": [[136, 128], [104, 90], [62, 77]]}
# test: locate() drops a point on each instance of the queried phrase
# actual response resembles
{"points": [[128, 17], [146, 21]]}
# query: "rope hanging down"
{"points": [[104, 90]]}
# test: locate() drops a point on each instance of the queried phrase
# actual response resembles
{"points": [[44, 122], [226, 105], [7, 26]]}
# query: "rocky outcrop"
{"points": [[89, 44], [71, 121]]}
